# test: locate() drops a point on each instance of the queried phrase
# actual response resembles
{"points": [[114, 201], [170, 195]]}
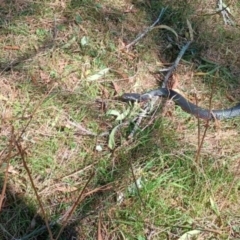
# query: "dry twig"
{"points": [[79, 199], [23, 154], [226, 14], [200, 141], [147, 30], [171, 69], [148, 108]]}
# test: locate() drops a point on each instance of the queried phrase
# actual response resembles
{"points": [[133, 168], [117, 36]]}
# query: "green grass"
{"points": [[178, 193]]}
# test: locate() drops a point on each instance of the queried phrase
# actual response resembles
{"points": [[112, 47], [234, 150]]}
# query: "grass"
{"points": [[50, 97]]}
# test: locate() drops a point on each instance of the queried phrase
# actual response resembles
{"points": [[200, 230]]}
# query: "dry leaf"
{"points": [[11, 48], [231, 98], [116, 88], [45, 77], [174, 81], [105, 92], [121, 44], [12, 170], [34, 80], [130, 9]]}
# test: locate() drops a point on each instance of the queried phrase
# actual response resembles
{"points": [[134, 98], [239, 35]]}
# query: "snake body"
{"points": [[186, 105]]}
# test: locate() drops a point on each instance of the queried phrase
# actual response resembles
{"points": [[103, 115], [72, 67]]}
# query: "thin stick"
{"points": [[22, 154], [177, 226], [200, 144], [135, 182], [79, 199], [174, 65], [42, 229], [225, 11], [147, 30], [164, 85], [78, 172], [199, 127]]}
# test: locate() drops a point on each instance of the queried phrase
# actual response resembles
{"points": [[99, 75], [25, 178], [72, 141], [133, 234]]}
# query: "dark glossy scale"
{"points": [[185, 104]]}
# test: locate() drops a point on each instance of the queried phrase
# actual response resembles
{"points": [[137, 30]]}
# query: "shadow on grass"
{"points": [[20, 220]]}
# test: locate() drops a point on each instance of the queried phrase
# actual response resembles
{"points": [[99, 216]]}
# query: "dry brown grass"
{"points": [[48, 89]]}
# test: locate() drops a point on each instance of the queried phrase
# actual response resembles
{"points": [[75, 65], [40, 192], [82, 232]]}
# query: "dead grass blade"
{"points": [[7, 158], [190, 29], [99, 236], [81, 129], [162, 26], [102, 188]]}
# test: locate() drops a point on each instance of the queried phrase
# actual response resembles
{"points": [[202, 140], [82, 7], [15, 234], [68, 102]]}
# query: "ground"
{"points": [[66, 162]]}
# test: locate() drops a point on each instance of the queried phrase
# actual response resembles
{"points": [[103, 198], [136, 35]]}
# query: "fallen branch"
{"points": [[148, 108], [147, 30], [226, 14], [171, 69]]}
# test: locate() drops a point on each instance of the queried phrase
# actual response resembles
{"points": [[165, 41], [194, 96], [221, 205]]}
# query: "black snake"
{"points": [[185, 104]]}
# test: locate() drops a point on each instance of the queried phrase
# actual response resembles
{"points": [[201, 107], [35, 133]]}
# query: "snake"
{"points": [[186, 105]]}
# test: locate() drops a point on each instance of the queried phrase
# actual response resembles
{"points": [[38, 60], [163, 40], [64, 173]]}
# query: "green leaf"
{"points": [[123, 115], [168, 28], [190, 30], [78, 19], [113, 112], [69, 43], [179, 186], [84, 41], [119, 116], [188, 235], [111, 140], [98, 75], [214, 206]]}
